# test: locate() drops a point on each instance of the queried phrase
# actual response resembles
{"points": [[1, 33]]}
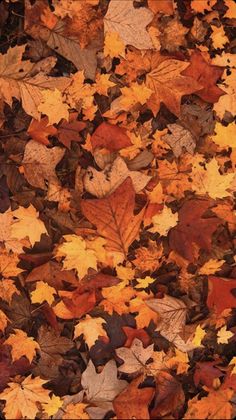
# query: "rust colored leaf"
{"points": [[221, 293], [112, 137]]}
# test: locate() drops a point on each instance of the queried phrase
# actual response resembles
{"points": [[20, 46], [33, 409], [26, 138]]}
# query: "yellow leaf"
{"points": [[198, 336], [22, 398], [53, 405], [224, 335], [113, 45], [145, 314], [8, 264], [164, 221], [103, 84], [3, 321], [211, 266], [219, 39], [77, 255], [143, 283], [27, 224], [53, 106], [116, 298], [91, 328], [43, 292], [225, 136], [22, 345]]}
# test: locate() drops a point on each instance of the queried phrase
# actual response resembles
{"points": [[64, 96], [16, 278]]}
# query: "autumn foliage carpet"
{"points": [[117, 220]]}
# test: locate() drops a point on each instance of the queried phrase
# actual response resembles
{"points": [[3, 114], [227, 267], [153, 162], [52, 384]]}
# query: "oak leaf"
{"points": [[22, 398], [129, 23], [102, 183], [22, 345], [114, 219], [168, 83]]}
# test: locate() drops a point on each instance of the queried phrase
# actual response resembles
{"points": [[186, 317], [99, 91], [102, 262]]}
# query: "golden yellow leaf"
{"points": [[22, 345], [215, 406], [211, 266], [8, 264], [77, 255], [103, 84], [144, 314], [27, 224], [223, 335], [53, 405], [218, 36], [116, 298], [225, 136], [22, 398], [42, 293], [53, 106], [91, 328], [143, 283], [113, 45], [180, 362], [198, 336], [164, 221]]}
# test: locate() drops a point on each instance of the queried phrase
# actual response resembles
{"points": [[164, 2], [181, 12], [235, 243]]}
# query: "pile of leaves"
{"points": [[117, 179]]}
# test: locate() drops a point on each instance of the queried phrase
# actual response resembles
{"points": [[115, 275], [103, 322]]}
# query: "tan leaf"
{"points": [[91, 328], [27, 224], [135, 357]]}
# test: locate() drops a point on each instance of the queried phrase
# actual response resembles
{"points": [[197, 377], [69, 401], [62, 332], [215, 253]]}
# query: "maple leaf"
{"points": [[39, 163], [169, 397], [7, 289], [53, 405], [220, 293], [53, 106], [40, 130], [207, 75], [11, 243], [198, 336], [133, 402], [179, 139], [102, 388], [27, 224], [206, 372], [22, 345], [200, 7], [135, 357], [211, 266], [223, 335], [158, 6], [76, 411], [8, 264], [22, 398], [77, 255], [129, 23], [210, 180], [105, 134], [135, 94], [224, 136], [193, 230], [103, 83], [215, 405], [91, 328], [43, 292], [147, 259], [164, 221], [69, 131], [21, 85], [113, 45], [231, 12], [52, 274], [143, 283], [168, 83], [114, 219], [3, 321], [102, 183]]}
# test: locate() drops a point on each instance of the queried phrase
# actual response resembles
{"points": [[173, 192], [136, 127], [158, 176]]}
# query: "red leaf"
{"points": [[111, 137], [221, 293]]}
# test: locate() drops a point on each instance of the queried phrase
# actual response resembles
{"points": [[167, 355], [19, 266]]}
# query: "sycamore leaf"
{"points": [[168, 84], [104, 386], [91, 328], [53, 106], [223, 335], [39, 163], [134, 357], [22, 398], [164, 221], [43, 292], [77, 255], [102, 183], [27, 224], [114, 218], [129, 23], [22, 345]]}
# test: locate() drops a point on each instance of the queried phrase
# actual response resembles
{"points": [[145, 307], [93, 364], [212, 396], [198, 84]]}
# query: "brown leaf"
{"points": [[206, 372], [69, 131], [133, 402], [112, 137], [114, 218], [193, 231], [170, 396], [205, 74], [51, 273]]}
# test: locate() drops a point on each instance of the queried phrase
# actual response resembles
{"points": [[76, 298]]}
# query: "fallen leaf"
{"points": [[91, 328], [179, 139], [53, 106], [164, 221], [215, 405], [40, 130], [169, 397], [221, 293], [22, 345], [28, 224], [43, 292], [135, 357], [223, 335], [105, 134]]}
